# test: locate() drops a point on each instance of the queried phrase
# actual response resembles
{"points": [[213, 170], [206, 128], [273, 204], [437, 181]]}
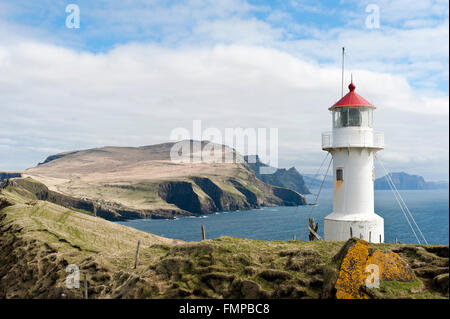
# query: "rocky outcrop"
{"points": [[286, 178], [183, 195], [289, 197], [225, 200], [34, 190], [197, 196], [200, 195], [357, 267]]}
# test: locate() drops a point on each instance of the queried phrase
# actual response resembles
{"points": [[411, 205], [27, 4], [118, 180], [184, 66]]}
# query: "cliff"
{"points": [[403, 180], [143, 182], [6, 175], [40, 239], [288, 178]]}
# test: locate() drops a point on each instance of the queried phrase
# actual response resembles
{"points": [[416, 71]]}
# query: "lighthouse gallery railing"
{"points": [[353, 139]]}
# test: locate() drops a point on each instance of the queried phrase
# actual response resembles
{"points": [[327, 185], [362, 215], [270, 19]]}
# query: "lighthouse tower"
{"points": [[353, 144]]}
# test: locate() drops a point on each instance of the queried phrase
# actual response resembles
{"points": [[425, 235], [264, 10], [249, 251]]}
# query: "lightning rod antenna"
{"points": [[342, 80]]}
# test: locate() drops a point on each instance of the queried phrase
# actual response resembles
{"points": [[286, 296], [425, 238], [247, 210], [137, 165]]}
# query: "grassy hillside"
{"points": [[38, 240]]}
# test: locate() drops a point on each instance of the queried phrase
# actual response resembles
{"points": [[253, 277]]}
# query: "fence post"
{"points": [[203, 233], [137, 254], [351, 232], [85, 287], [370, 237]]}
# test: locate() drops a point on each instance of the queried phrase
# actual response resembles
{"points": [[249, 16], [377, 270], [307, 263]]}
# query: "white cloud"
{"points": [[59, 99], [218, 62]]}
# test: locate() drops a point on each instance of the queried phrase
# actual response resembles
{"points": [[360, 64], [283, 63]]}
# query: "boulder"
{"points": [[391, 266], [356, 261], [440, 282]]}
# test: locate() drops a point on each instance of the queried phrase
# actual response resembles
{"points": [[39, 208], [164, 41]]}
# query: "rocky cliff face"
{"points": [[196, 196], [34, 190], [288, 178], [145, 182]]}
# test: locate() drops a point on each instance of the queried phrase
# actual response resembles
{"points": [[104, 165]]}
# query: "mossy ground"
{"points": [[39, 239]]}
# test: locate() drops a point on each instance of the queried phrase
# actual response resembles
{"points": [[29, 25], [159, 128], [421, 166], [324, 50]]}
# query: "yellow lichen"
{"points": [[391, 266], [352, 274]]}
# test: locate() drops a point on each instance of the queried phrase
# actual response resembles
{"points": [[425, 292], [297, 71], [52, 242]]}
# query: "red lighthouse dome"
{"points": [[352, 99]]}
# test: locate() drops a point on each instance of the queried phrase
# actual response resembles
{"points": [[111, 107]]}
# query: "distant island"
{"points": [[314, 181], [402, 180], [406, 181]]}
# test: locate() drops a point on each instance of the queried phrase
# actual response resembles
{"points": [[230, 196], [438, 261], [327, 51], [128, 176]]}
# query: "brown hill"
{"points": [[133, 182]]}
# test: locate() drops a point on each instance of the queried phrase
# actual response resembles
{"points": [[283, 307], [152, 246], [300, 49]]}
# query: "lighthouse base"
{"points": [[338, 227]]}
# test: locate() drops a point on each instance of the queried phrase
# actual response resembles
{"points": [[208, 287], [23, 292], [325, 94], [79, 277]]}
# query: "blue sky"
{"points": [[149, 58], [107, 24]]}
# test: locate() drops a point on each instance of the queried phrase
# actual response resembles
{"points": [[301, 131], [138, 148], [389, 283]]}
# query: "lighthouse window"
{"points": [[339, 174], [337, 118], [340, 117], [346, 117]]}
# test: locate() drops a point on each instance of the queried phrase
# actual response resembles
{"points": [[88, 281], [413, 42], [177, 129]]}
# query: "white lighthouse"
{"points": [[353, 144]]}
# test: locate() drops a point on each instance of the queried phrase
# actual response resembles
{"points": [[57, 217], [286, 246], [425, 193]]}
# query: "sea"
{"points": [[430, 209]]}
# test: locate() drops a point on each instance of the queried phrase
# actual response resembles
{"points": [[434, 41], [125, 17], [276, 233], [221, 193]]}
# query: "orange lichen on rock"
{"points": [[353, 273], [391, 266]]}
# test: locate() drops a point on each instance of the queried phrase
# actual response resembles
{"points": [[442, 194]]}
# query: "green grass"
{"points": [[77, 236], [414, 289]]}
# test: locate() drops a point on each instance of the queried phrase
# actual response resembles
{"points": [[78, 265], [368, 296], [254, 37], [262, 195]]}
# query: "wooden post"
{"points": [[370, 237], [137, 254], [313, 232], [294, 237], [85, 287], [313, 229], [396, 241], [203, 233], [351, 232], [380, 238], [360, 236]]}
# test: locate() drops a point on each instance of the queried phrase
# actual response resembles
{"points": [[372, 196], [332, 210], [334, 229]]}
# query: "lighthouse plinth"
{"points": [[353, 144]]}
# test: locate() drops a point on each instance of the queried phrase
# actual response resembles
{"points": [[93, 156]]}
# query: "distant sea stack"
{"points": [[406, 181], [289, 178]]}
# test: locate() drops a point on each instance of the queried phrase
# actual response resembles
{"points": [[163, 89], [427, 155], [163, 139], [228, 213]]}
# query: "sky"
{"points": [[135, 70]]}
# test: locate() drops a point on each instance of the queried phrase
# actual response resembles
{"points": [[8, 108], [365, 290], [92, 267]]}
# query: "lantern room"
{"points": [[352, 111]]}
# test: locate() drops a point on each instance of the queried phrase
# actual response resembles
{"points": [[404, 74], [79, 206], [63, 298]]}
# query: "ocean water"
{"points": [[430, 209]]}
